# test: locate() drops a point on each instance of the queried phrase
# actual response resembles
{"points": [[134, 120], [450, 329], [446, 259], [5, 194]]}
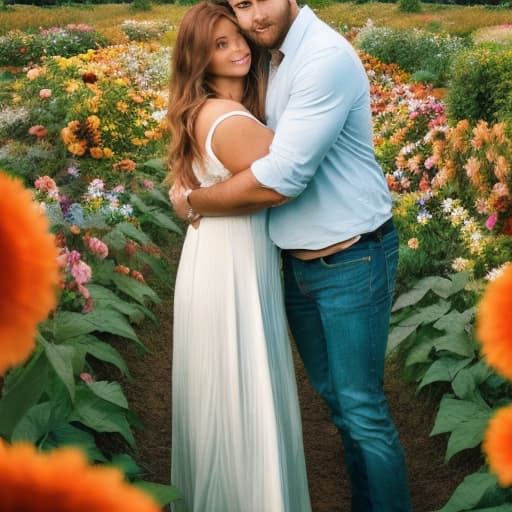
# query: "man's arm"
{"points": [[240, 195]]}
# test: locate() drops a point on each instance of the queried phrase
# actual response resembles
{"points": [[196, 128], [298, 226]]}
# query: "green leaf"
{"points": [[61, 360], [102, 351], [447, 287], [466, 435], [398, 334], [455, 322], [164, 221], [126, 464], [459, 343], [506, 507], [102, 416], [469, 493], [23, 393], [428, 314], [104, 298], [444, 369], [134, 289], [163, 494], [464, 385], [68, 435], [413, 296], [453, 413], [157, 164], [34, 424], [98, 320], [109, 391], [132, 232]]}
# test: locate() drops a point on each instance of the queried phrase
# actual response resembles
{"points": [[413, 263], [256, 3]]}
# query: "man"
{"points": [[339, 245]]}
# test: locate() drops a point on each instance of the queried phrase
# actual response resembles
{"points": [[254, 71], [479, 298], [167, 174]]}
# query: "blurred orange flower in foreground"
{"points": [[63, 481], [497, 445], [494, 323], [28, 271]]}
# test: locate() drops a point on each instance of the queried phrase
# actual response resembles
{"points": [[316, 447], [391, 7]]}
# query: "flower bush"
{"points": [[93, 111], [20, 49], [414, 50], [144, 30]]}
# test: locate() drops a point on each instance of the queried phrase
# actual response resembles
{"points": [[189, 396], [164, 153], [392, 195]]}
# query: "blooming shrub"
{"points": [[20, 49], [98, 108], [144, 30], [413, 50]]}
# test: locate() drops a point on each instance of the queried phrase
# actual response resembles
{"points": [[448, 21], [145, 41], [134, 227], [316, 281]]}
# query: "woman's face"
{"points": [[231, 57]]}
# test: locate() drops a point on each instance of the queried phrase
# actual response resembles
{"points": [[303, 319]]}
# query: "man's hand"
{"points": [[179, 201]]}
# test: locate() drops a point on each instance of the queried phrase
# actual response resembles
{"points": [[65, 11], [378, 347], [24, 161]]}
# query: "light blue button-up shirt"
{"points": [[322, 155]]}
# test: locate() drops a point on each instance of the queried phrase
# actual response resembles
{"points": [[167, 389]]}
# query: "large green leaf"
{"points": [[455, 321], [34, 424], [101, 350], [506, 507], [70, 325], [413, 296], [110, 392], [459, 343], [398, 334], [100, 415], [453, 413], [23, 393], [427, 314], [134, 289], [61, 360], [447, 287], [444, 369], [163, 494], [469, 493], [104, 298], [466, 435], [67, 434], [164, 221], [132, 232], [127, 465]]}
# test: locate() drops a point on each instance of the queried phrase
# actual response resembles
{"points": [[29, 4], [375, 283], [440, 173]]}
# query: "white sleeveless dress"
{"points": [[236, 429]]}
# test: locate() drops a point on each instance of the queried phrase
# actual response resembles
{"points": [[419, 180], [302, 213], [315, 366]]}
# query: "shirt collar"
{"points": [[298, 28]]}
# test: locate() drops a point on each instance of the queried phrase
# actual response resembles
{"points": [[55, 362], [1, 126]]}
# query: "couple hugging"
{"points": [[290, 227]]}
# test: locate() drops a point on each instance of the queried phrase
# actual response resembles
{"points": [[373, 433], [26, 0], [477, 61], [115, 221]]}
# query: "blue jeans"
{"points": [[338, 309]]}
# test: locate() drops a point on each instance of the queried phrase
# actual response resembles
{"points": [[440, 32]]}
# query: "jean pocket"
{"points": [[338, 261]]}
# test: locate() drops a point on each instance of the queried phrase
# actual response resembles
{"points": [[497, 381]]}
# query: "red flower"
{"points": [[23, 50]]}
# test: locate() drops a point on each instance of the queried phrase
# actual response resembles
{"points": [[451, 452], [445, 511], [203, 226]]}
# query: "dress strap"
{"points": [[209, 137]]}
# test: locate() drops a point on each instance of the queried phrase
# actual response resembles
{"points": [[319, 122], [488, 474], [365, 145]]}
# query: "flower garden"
{"points": [[82, 156]]}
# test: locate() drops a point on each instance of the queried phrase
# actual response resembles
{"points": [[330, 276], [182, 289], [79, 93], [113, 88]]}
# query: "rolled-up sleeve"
{"points": [[322, 94]]}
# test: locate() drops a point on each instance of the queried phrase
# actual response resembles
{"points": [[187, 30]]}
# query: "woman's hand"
{"points": [[178, 197]]}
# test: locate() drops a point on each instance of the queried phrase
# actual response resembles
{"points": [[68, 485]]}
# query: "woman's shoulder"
{"points": [[213, 111]]}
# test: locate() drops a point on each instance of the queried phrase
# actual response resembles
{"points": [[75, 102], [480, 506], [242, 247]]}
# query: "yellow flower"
{"points": [[108, 153], [28, 272], [63, 481], [93, 122], [77, 148]]}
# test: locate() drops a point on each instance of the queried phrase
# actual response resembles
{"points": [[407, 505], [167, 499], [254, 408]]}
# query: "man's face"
{"points": [[266, 22]]}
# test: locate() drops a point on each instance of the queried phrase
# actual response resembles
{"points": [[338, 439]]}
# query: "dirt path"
{"points": [[431, 481]]}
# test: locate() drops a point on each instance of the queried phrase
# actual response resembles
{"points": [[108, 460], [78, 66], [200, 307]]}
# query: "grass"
{"points": [[457, 20]]}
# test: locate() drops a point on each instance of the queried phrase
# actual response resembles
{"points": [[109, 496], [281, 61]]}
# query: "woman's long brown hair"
{"points": [[190, 86]]}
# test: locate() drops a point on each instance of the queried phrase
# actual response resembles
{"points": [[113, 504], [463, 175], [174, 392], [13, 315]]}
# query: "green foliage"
{"points": [[413, 50], [481, 85], [144, 30], [409, 5], [19, 49], [141, 5]]}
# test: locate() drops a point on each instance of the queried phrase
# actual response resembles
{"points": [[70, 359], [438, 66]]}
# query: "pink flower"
{"points": [[81, 272], [98, 247], [149, 184], [491, 221], [119, 189], [38, 130], [44, 94], [45, 183], [86, 377]]}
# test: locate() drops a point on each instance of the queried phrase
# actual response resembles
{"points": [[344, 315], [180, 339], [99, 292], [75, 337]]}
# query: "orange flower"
{"points": [[63, 481], [494, 324], [96, 152], [497, 445], [28, 272]]}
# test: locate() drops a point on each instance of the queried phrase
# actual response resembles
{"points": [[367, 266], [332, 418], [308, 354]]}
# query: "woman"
{"points": [[237, 439]]}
